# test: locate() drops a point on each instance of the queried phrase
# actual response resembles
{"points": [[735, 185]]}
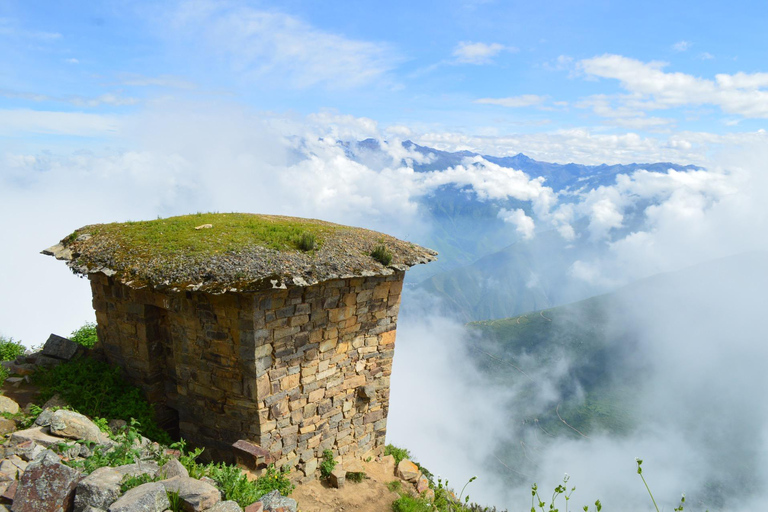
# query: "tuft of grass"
{"points": [[306, 241], [382, 255], [328, 464], [10, 349], [398, 453], [96, 389], [85, 335], [356, 476], [177, 504], [395, 485], [130, 481]]}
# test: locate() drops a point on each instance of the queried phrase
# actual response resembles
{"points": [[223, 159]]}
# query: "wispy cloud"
{"points": [[525, 100], [170, 81], [265, 45], [653, 88], [24, 121], [467, 52], [682, 46], [112, 99]]}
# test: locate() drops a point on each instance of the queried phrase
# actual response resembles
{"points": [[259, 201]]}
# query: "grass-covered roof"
{"points": [[220, 252]]}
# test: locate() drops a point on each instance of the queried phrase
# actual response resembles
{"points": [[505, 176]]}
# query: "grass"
{"points": [[99, 390], [230, 232], [355, 476], [381, 254]]}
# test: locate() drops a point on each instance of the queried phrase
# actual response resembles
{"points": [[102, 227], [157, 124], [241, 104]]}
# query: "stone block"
{"points": [[46, 485], [98, 490], [195, 495], [150, 497], [60, 348], [337, 478], [408, 471]]}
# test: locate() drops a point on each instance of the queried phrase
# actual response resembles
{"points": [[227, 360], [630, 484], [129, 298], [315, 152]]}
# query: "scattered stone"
{"points": [[366, 392], [150, 497], [8, 405], [23, 369], [44, 420], [140, 468], [388, 461], [37, 434], [276, 502], [47, 361], [117, 426], [6, 426], [60, 348], [429, 494], [422, 484], [195, 494], [10, 492], [337, 478], [354, 466], [55, 401], [408, 471], [171, 469], [28, 450], [251, 455], [47, 485], [204, 226], [255, 507], [226, 506], [74, 425], [99, 489], [15, 381]]}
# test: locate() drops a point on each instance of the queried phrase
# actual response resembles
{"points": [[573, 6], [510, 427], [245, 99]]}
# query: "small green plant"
{"points": [[395, 485], [130, 481], [10, 349], [647, 488], [274, 480], [328, 464], [356, 476], [382, 255], [306, 241], [177, 505], [398, 453], [124, 453], [85, 335], [4, 374]]}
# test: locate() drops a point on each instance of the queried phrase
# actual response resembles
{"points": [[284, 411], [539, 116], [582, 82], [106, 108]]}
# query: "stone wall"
{"points": [[295, 371]]}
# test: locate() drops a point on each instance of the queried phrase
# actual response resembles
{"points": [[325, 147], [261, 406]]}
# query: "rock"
{"points": [[171, 469], [337, 478], [276, 502], [37, 434], [251, 455], [23, 369], [28, 450], [422, 484], [255, 507], [408, 471], [194, 494], [99, 489], [75, 426], [47, 361], [388, 461], [47, 484], [10, 492], [204, 226], [354, 466], [429, 495], [60, 348], [15, 381], [44, 419], [55, 401], [6, 426], [9, 468], [140, 468], [8, 405], [226, 506], [366, 392], [117, 426], [150, 497]]}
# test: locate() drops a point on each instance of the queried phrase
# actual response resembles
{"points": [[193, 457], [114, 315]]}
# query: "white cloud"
{"points": [[467, 52], [169, 81], [526, 100], [72, 61], [523, 223], [652, 88], [24, 121], [706, 56], [277, 47], [682, 46]]}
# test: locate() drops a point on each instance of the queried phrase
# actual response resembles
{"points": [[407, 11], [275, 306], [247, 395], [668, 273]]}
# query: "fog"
{"points": [[699, 345]]}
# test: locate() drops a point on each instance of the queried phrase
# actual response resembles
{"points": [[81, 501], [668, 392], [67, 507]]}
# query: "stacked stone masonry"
{"points": [[296, 370]]}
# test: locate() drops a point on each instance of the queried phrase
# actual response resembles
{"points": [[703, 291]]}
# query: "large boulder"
{"points": [[74, 425], [171, 469], [38, 435], [150, 497], [99, 489], [46, 485], [8, 405], [195, 495], [60, 348], [408, 471]]}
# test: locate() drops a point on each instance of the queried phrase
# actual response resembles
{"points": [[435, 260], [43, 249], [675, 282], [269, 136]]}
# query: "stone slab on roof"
{"points": [[231, 252]]}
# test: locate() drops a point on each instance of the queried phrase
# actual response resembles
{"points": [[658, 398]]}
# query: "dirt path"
{"points": [[370, 495]]}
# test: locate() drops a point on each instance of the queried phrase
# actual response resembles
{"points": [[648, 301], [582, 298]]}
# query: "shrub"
{"points": [[382, 255], [85, 335], [328, 464], [398, 453], [306, 241], [96, 389], [356, 476], [10, 349]]}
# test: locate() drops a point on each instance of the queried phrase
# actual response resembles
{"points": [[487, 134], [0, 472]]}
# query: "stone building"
{"points": [[273, 330]]}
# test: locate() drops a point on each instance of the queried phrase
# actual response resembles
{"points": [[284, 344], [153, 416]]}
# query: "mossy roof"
{"points": [[220, 252]]}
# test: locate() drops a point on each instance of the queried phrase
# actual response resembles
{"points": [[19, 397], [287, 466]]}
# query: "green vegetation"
{"points": [[85, 335], [230, 232], [126, 452], [355, 476], [398, 453], [10, 349], [382, 255], [177, 504], [306, 242], [98, 390], [395, 485], [328, 464], [130, 481]]}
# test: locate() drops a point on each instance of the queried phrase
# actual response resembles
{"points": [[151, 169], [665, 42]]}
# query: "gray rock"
{"points": [[47, 361], [37, 434], [195, 495], [337, 478], [117, 426], [55, 401], [225, 506], [276, 501], [99, 489], [75, 426], [60, 348], [44, 420], [47, 485], [150, 497], [140, 468], [8, 405], [28, 450], [171, 469], [6, 426]]}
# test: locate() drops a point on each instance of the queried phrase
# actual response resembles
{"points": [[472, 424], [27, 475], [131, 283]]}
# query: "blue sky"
{"points": [[486, 68]]}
